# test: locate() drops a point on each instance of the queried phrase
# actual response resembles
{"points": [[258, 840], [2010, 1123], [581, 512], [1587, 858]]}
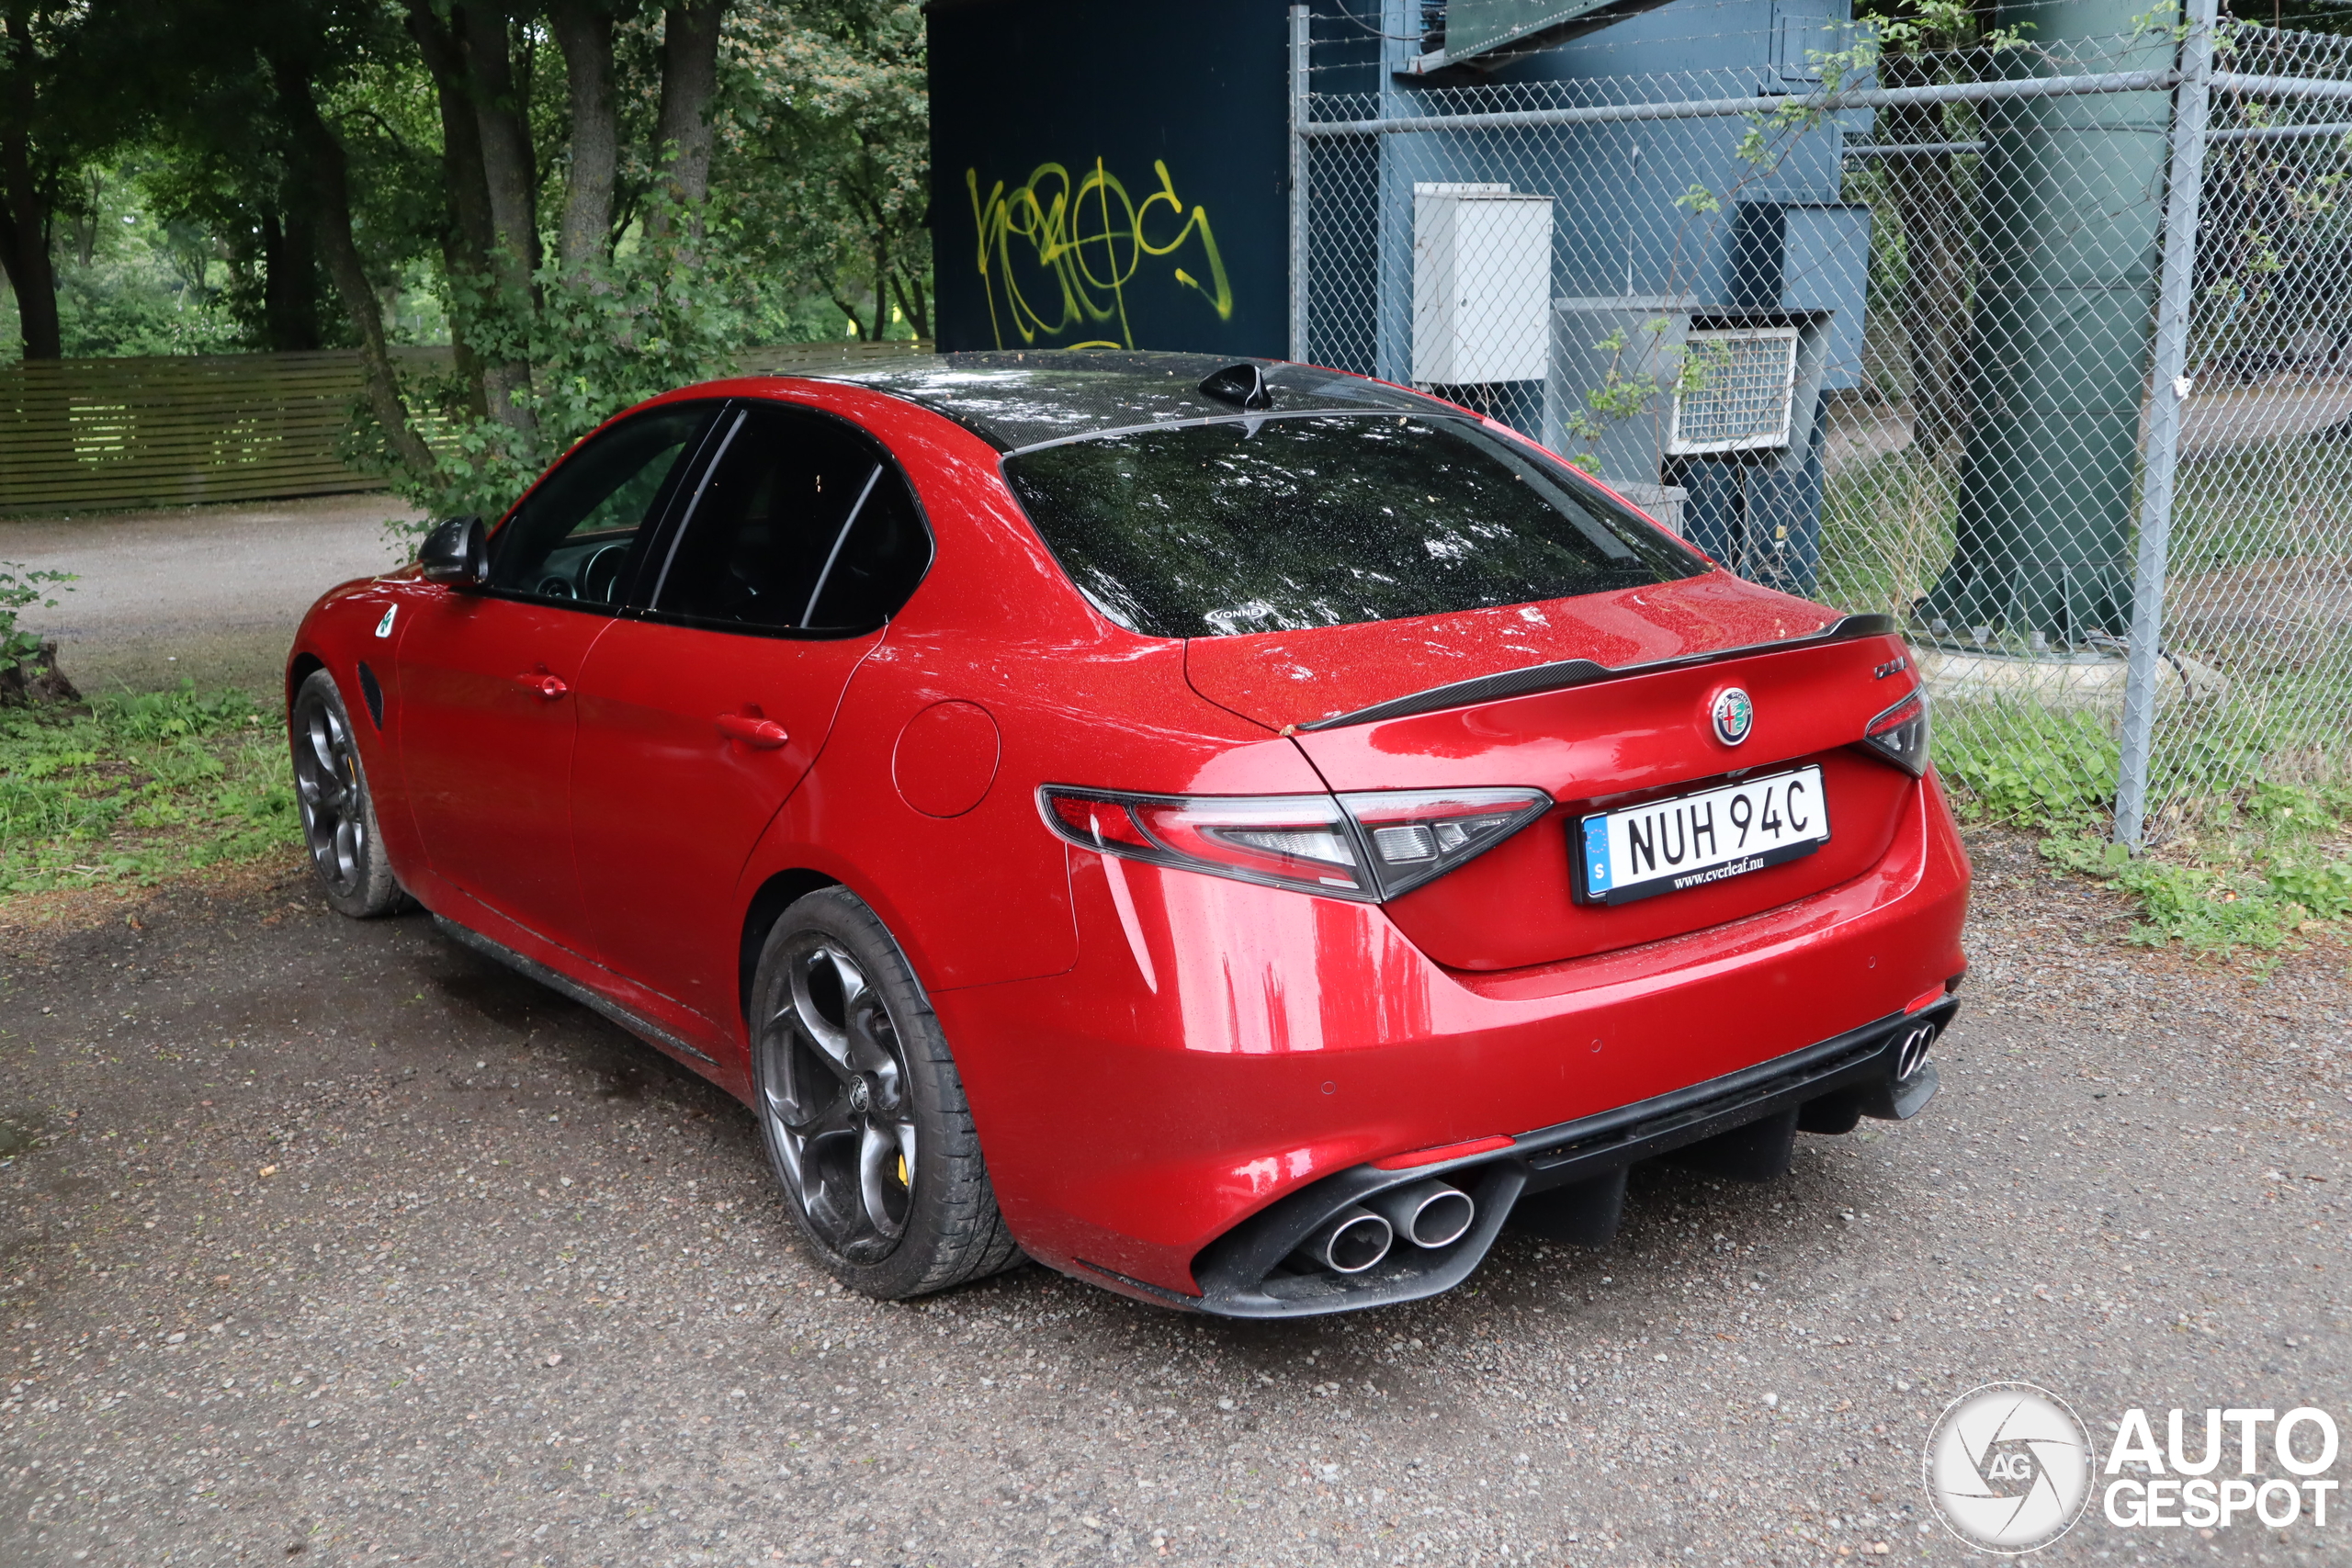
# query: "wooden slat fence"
{"points": [[80, 434]]}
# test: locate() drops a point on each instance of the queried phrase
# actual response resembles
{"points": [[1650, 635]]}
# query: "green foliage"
{"points": [[1680, 370], [157, 718], [1886, 530], [2204, 909], [1620, 395], [654, 317], [139, 787], [822, 154], [22, 590], [2324, 888], [1925, 26], [2037, 767], [2251, 889], [662, 313], [128, 307], [825, 152]]}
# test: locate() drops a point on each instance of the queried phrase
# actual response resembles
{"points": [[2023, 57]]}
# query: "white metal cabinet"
{"points": [[1481, 285]]}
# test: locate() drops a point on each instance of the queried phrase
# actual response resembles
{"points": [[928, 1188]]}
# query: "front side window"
{"points": [[800, 524], [1282, 523], [576, 535]]}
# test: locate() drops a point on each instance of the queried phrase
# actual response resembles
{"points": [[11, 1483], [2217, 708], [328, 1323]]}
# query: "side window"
{"points": [[575, 537], [800, 525]]}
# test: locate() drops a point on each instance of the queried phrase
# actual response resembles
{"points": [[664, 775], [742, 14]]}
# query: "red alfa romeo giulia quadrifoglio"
{"points": [[1239, 834]]}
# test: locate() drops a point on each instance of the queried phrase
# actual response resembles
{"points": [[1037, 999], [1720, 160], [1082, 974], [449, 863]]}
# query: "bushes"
{"points": [[22, 590]]}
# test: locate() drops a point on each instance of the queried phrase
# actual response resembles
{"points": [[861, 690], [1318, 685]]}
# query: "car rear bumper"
{"points": [[1221, 1051], [1569, 1181]]}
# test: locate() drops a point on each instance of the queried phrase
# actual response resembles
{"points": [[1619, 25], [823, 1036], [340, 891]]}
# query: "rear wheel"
{"points": [[338, 811], [861, 1110]]}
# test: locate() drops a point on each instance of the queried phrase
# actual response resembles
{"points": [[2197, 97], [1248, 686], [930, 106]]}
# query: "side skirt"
{"points": [[636, 1023]]}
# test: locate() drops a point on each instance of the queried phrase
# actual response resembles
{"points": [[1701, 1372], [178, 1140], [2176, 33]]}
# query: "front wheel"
{"points": [[862, 1108], [338, 811]]}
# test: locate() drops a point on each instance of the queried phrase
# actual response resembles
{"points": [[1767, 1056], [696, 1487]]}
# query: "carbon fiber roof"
{"points": [[1016, 399]]}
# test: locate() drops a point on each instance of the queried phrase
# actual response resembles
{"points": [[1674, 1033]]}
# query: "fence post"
{"points": [[1300, 36], [2167, 392]]}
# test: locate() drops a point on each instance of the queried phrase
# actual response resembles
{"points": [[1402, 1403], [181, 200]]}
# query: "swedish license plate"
{"points": [[1696, 841]]}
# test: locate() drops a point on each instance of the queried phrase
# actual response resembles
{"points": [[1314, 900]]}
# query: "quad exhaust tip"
{"points": [[1427, 1213], [1350, 1242]]}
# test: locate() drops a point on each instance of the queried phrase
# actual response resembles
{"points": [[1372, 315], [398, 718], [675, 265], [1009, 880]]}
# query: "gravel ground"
{"points": [[330, 1240], [210, 592]]}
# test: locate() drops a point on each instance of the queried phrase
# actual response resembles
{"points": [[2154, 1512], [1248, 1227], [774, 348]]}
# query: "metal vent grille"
{"points": [[1739, 391]]}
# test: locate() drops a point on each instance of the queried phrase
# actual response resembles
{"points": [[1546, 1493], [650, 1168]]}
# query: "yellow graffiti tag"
{"points": [[1089, 240]]}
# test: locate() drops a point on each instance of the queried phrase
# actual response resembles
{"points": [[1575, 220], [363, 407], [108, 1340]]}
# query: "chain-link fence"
{"points": [[1904, 324]]}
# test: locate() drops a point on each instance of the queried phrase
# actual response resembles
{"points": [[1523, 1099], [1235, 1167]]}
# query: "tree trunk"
{"points": [[506, 155], [461, 168], [584, 31], [466, 230], [470, 241], [510, 177], [1935, 237], [25, 683], [909, 291], [473, 374], [289, 285], [325, 176], [25, 207], [842, 303], [682, 135]]}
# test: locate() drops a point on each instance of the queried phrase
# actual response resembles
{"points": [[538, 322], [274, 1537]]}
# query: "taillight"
{"points": [[1900, 734], [1369, 846], [1417, 834]]}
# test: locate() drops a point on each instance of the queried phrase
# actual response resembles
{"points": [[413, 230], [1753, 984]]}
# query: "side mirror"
{"points": [[456, 553]]}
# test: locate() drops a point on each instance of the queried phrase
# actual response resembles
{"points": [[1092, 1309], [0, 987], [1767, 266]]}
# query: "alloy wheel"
{"points": [[834, 1093], [327, 788]]}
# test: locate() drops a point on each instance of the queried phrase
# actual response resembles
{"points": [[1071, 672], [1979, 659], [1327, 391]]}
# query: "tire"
{"points": [[337, 808], [861, 1110]]}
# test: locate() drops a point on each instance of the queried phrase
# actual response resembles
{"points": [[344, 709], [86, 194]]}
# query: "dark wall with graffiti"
{"points": [[1109, 175]]}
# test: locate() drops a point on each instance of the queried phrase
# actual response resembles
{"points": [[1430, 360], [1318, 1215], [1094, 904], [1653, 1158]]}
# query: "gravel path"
{"points": [[331, 1240], [210, 592]]}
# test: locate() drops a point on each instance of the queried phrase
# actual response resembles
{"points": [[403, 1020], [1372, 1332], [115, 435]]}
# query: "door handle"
{"points": [[759, 734], [547, 685]]}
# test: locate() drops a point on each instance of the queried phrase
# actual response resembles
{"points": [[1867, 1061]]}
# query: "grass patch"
{"points": [[2275, 500], [140, 786], [2256, 861], [2250, 788], [2283, 870], [2049, 769], [1886, 532]]}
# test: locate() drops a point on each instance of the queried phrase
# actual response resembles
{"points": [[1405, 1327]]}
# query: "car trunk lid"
{"points": [[1313, 676], [1607, 738]]}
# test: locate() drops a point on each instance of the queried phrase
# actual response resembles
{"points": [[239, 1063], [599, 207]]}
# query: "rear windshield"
{"points": [[1316, 520]]}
